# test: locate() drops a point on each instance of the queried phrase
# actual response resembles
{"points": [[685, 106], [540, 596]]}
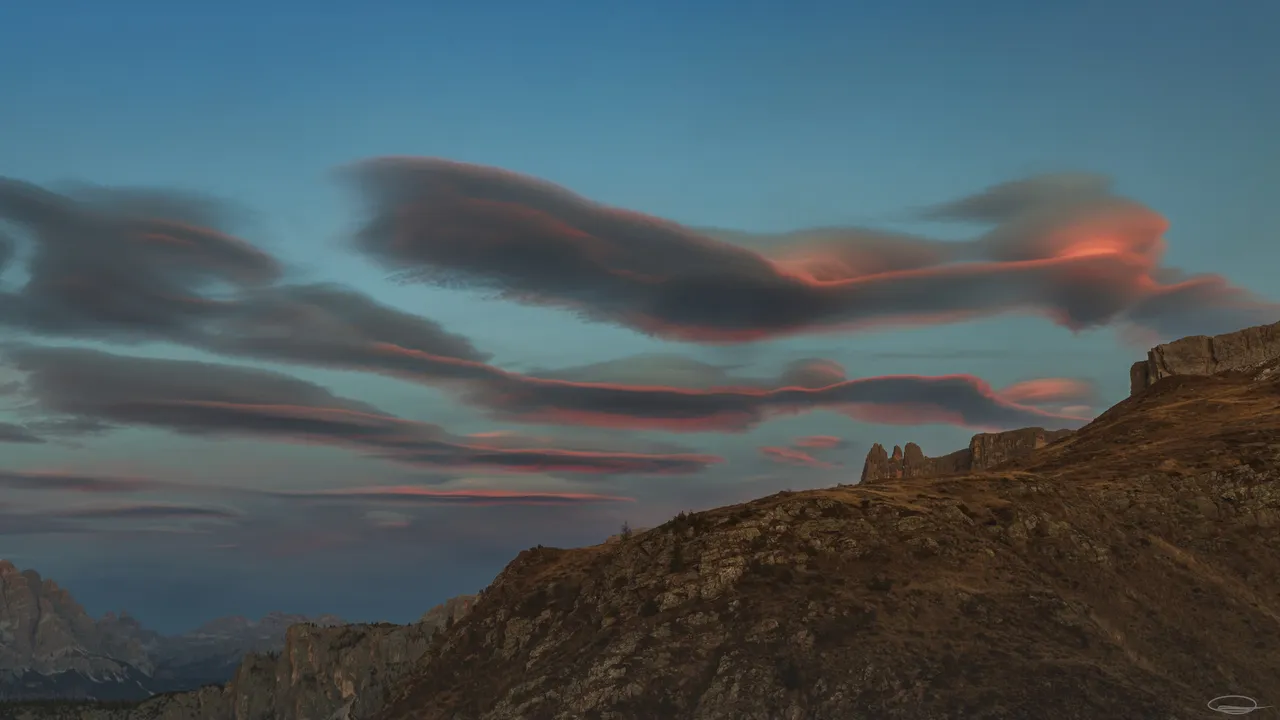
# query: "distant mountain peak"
{"points": [[50, 647]]}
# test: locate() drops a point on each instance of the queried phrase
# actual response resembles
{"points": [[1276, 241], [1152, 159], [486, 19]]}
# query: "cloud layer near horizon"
{"points": [[199, 398], [1062, 246], [75, 518]]}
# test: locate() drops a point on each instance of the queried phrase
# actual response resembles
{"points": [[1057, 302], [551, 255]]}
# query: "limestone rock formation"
{"points": [[1204, 355], [909, 463], [986, 450], [51, 648], [323, 672], [45, 633]]}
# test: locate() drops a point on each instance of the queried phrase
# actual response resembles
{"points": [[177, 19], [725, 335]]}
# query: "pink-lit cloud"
{"points": [[1049, 391], [418, 495], [794, 456], [820, 442]]}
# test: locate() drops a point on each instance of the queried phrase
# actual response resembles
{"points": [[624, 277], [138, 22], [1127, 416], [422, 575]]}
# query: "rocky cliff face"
{"points": [[342, 672], [210, 653], [986, 450], [51, 648], [345, 671], [1204, 355], [45, 633]]}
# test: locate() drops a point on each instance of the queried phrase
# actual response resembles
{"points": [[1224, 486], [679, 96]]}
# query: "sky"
{"points": [[328, 307]]}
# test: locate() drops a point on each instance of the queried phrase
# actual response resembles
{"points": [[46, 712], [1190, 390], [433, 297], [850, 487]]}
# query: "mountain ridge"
{"points": [[1130, 569]]}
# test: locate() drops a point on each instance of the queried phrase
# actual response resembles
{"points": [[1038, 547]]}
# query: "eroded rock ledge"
{"points": [[1205, 355], [985, 450]]}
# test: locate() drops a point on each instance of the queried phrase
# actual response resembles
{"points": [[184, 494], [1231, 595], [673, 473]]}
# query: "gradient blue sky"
{"points": [[760, 116]]}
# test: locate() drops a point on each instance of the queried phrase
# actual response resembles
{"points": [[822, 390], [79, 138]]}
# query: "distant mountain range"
{"points": [[50, 648]]}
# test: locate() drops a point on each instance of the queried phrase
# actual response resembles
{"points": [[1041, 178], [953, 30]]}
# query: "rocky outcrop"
{"points": [[986, 450], [341, 672], [449, 611], [1205, 355]]}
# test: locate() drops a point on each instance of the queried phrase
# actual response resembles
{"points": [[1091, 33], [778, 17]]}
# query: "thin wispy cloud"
{"points": [[38, 480], [209, 399], [416, 495]]}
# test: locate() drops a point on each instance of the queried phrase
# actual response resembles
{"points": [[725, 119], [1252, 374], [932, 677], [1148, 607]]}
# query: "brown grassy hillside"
{"points": [[1130, 571]]}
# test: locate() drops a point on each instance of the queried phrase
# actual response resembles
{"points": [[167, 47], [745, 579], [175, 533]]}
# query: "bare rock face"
{"points": [[324, 672], [338, 672], [910, 463], [50, 648], [1204, 355], [44, 632], [985, 450]]}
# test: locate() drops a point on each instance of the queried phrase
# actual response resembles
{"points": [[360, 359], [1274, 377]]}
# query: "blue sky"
{"points": [[756, 116]]}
